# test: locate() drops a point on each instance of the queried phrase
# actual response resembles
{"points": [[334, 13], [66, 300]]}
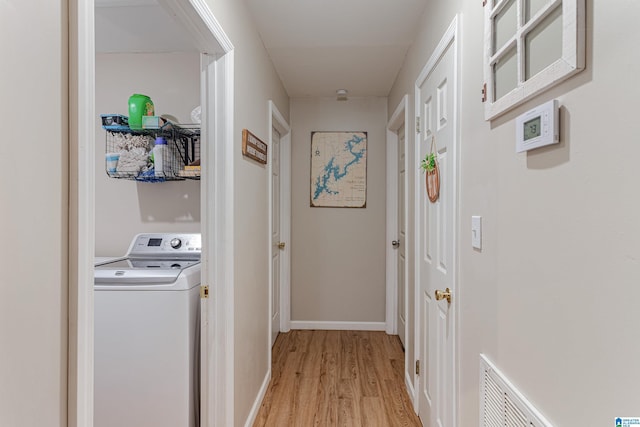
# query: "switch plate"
{"points": [[476, 232]]}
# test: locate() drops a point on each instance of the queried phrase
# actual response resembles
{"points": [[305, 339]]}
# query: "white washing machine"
{"points": [[147, 334]]}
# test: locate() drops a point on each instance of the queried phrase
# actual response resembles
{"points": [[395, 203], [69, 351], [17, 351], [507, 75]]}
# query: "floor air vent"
{"points": [[501, 405]]}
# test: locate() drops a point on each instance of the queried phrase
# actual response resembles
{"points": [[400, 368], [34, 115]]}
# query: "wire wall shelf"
{"points": [[130, 153]]}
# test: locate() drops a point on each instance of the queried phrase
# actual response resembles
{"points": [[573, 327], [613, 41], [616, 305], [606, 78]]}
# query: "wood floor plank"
{"points": [[337, 378], [326, 413], [348, 362], [367, 374], [349, 410], [395, 405], [373, 416], [278, 407]]}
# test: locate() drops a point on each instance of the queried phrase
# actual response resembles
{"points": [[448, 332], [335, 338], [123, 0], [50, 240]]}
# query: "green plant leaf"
{"points": [[428, 164]]}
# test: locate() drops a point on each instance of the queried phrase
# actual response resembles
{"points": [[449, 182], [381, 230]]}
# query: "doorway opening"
{"points": [[212, 65]]}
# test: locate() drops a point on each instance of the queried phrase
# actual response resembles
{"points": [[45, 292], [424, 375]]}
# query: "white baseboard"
{"points": [[411, 391], [339, 326], [256, 405]]}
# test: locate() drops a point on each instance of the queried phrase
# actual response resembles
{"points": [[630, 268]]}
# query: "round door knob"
{"points": [[175, 243], [446, 294], [281, 245], [395, 243]]}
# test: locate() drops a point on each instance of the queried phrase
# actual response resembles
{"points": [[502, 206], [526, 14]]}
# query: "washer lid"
{"points": [[140, 271]]}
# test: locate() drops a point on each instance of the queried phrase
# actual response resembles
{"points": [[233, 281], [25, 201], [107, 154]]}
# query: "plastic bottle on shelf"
{"points": [[139, 105], [158, 156]]}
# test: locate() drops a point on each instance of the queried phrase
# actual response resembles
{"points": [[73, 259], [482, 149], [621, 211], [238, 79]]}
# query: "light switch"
{"points": [[476, 232]]}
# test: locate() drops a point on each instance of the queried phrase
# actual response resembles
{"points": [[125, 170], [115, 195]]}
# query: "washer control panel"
{"points": [[174, 245]]}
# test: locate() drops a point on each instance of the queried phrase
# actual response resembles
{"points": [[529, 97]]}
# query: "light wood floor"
{"points": [[337, 378]]}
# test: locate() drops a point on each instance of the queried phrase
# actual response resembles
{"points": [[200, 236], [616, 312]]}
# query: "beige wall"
{"points": [[33, 213], [123, 207], [338, 255], [551, 296], [255, 83]]}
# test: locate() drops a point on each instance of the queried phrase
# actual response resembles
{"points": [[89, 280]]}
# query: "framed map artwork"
{"points": [[339, 169]]}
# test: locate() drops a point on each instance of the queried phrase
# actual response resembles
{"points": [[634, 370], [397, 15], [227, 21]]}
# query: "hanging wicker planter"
{"points": [[433, 184], [430, 165]]}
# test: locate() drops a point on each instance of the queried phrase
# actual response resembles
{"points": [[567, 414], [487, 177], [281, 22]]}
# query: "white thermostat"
{"points": [[538, 127]]}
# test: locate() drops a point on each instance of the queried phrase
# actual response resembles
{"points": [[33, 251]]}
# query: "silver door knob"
{"points": [[395, 243]]}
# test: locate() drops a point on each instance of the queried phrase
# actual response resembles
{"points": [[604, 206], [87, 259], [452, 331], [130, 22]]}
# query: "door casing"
{"points": [[400, 117], [279, 123]]}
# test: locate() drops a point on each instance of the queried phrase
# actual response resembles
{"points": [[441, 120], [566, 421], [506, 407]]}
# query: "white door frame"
{"points": [[450, 37], [216, 195], [277, 121], [400, 117], [216, 191]]}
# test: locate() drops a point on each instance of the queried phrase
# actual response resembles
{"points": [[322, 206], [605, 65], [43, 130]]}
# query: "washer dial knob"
{"points": [[175, 243]]}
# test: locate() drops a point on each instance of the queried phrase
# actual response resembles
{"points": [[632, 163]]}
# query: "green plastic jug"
{"points": [[139, 105]]}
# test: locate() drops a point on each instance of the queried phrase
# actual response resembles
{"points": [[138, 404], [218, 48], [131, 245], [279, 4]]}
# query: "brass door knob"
{"points": [[281, 245], [440, 295]]}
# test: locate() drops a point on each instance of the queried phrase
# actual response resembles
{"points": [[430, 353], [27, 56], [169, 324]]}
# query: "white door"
{"points": [[435, 224], [275, 237], [400, 243]]}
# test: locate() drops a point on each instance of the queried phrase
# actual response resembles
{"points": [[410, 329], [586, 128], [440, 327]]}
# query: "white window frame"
{"points": [[571, 61]]}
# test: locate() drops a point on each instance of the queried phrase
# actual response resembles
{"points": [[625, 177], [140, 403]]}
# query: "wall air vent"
{"points": [[501, 405]]}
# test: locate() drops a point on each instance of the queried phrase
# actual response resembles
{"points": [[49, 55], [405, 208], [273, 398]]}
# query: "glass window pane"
{"points": [[505, 74], [543, 45], [505, 25], [532, 7]]}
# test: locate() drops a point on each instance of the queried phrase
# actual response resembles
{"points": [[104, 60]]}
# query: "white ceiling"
{"points": [[138, 26], [317, 46]]}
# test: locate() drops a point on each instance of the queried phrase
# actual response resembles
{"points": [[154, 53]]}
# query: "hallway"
{"points": [[337, 378]]}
